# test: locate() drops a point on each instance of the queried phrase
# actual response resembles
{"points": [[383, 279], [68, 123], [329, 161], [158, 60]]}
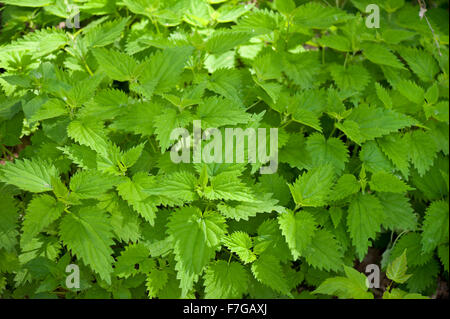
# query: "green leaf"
{"points": [[244, 210], [380, 54], [135, 254], [50, 109], [270, 241], [229, 13], [216, 112], [31, 175], [352, 286], [133, 191], [117, 65], [90, 134], [285, 6], [432, 94], [435, 225], [421, 62], [156, 281], [137, 120], [399, 214], [240, 243], [383, 95], [345, 186], [400, 294], [9, 217], [144, 7], [161, 71], [423, 277], [81, 155], [396, 270], [88, 234], [92, 184], [366, 123], [268, 66], [412, 244], [195, 237], [313, 187], [228, 83], [385, 182], [177, 188], [298, 229], [41, 212], [227, 186], [105, 33], [324, 252], [365, 215], [131, 156], [303, 69], [275, 185], [225, 280], [125, 222], [443, 253], [353, 77], [323, 151], [318, 16], [439, 111], [221, 41], [89, 115], [422, 150], [28, 3], [267, 270], [396, 148], [335, 41], [38, 43], [166, 122], [259, 21], [411, 91]]}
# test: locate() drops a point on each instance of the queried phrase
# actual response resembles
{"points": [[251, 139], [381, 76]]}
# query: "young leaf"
{"points": [[396, 270], [352, 286], [240, 243]]}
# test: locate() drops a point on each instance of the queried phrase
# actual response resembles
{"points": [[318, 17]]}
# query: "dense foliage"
{"points": [[86, 176]]}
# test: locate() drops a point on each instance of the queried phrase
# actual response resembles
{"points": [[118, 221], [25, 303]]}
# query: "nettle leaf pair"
{"points": [[87, 179]]}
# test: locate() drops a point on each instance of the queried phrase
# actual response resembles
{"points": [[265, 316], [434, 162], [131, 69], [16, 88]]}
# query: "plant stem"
{"points": [[5, 149], [345, 61]]}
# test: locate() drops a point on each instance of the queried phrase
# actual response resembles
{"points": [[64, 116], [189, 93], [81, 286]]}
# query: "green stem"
{"points": [[229, 259], [287, 31], [332, 131], [346, 58], [287, 123], [5, 149], [87, 68], [256, 103], [155, 23], [398, 237]]}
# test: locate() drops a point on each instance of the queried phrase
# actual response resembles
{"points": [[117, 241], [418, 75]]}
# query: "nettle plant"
{"points": [[91, 91]]}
